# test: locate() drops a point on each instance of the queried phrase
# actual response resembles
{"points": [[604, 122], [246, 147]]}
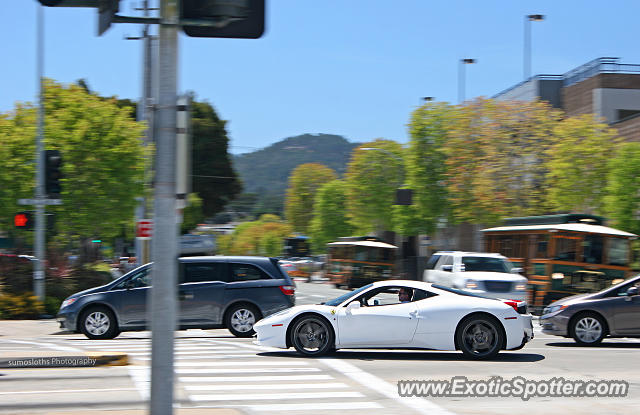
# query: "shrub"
{"points": [[52, 305], [21, 306]]}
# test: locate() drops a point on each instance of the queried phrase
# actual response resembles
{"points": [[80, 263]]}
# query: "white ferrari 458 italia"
{"points": [[401, 314]]}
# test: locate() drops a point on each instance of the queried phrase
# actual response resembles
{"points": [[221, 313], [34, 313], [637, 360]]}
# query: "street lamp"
{"points": [[428, 99], [527, 42], [461, 77]]}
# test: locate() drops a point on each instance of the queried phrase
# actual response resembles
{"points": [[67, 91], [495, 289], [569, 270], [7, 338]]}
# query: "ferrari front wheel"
{"points": [[312, 336]]}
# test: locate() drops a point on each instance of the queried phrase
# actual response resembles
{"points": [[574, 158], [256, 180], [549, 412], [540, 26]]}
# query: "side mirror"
{"points": [[516, 270], [129, 284], [632, 291], [352, 305], [447, 268], [376, 302]]}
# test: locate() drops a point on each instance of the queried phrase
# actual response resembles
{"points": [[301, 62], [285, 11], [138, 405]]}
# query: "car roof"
{"points": [[466, 253]]}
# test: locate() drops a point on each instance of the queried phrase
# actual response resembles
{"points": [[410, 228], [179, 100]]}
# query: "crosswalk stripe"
{"points": [[316, 406], [179, 357], [252, 386], [239, 352], [274, 396], [265, 378], [242, 363], [187, 371]]}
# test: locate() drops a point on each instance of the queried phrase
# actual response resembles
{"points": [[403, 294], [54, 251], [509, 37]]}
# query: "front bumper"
{"points": [[555, 324], [67, 320]]}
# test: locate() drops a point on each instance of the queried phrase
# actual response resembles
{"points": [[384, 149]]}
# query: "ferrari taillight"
{"points": [[512, 303]]}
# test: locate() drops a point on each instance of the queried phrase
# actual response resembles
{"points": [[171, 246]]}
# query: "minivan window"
{"points": [[204, 271], [247, 272], [138, 280]]}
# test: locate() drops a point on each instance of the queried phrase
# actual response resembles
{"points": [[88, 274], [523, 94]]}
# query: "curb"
{"points": [[91, 359]]}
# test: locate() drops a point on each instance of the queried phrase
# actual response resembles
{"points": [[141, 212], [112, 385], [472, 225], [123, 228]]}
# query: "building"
{"points": [[604, 87]]}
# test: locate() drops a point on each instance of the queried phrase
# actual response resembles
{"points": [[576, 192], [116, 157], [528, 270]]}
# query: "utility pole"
{"points": [[165, 246], [145, 113], [38, 269]]}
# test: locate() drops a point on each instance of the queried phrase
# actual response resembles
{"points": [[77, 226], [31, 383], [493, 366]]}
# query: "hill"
{"points": [[267, 171]]}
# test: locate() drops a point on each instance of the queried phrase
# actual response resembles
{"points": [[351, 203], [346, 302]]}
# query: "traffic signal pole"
{"points": [[164, 243], [38, 269]]}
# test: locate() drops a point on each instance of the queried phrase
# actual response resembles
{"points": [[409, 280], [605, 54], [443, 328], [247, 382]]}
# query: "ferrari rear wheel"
{"points": [[479, 337], [312, 336]]}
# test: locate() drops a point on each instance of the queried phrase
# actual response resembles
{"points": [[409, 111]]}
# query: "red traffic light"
{"points": [[23, 220]]}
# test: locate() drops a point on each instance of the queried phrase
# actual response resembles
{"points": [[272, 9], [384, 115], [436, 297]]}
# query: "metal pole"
{"points": [[461, 81], [526, 58], [38, 269], [144, 113], [164, 246]]}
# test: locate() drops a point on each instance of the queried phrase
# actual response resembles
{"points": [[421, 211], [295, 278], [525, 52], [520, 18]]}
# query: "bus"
{"points": [[563, 255], [358, 260], [296, 246]]}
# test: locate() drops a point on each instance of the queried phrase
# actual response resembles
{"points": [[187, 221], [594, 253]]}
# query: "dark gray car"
{"points": [[213, 292], [588, 318]]}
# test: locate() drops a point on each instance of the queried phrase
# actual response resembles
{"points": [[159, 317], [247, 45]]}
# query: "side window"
{"points": [[431, 263], [204, 271], [247, 272], [394, 295], [447, 260], [138, 280]]}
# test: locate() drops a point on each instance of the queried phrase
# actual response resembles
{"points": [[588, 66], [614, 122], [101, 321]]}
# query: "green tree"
{"points": [[214, 179], [303, 186], [262, 237], [192, 214], [426, 169], [330, 220], [622, 202], [578, 164], [496, 159], [103, 161], [374, 173]]}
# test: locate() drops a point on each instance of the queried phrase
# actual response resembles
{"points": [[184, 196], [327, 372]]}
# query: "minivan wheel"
{"points": [[240, 320], [479, 337], [588, 329], [98, 323]]}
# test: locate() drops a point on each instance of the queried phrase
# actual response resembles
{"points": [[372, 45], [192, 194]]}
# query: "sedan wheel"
{"points": [[98, 323], [312, 336], [240, 320], [479, 337], [588, 330]]}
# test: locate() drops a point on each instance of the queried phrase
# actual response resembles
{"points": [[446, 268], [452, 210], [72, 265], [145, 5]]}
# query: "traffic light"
{"points": [[237, 18], [107, 9], [52, 173], [23, 220]]}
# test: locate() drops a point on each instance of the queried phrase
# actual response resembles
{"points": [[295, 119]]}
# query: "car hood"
{"points": [[492, 276], [90, 291], [574, 299]]}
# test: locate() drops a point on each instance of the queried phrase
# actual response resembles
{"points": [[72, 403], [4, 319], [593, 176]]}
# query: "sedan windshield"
{"points": [[476, 263], [342, 298]]}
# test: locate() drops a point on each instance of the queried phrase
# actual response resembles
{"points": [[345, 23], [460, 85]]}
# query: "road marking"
{"points": [[252, 386], [47, 345], [141, 377], [253, 378], [68, 391], [243, 363], [372, 382], [278, 396], [205, 352], [248, 370], [231, 356], [317, 296], [314, 406]]}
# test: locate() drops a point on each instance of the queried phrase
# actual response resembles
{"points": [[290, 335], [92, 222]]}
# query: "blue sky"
{"points": [[356, 68]]}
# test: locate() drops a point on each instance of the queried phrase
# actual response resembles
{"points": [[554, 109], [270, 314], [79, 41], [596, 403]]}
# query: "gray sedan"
{"points": [[588, 318]]}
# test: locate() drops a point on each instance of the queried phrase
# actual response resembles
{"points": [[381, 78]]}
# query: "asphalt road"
{"points": [[215, 369]]}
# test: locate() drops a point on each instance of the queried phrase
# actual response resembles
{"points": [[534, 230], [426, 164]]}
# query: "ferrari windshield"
{"points": [[342, 298]]}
